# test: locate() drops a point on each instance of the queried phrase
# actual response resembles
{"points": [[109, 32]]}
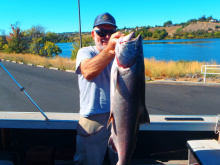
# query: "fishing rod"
{"points": [[22, 90]]}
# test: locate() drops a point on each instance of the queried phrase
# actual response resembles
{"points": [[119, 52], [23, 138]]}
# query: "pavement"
{"points": [[57, 91]]}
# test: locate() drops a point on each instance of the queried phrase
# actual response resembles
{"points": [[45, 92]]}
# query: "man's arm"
{"points": [[90, 68]]}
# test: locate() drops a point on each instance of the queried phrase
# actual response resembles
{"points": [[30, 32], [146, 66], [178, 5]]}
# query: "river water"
{"points": [[207, 50]]}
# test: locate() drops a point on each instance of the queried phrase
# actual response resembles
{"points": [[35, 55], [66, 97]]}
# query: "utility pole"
{"points": [[79, 25]]}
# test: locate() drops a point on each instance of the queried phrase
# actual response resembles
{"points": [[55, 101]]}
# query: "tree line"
{"points": [[36, 41], [33, 40], [179, 34], [184, 24]]}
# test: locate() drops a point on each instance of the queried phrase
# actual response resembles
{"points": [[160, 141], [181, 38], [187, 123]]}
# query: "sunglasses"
{"points": [[104, 32]]}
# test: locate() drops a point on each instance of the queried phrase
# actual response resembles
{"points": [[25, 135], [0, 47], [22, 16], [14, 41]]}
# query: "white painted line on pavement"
{"points": [[71, 71], [40, 66], [53, 68]]}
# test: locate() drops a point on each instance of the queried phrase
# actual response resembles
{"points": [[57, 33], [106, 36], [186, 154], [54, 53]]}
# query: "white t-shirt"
{"points": [[94, 94]]}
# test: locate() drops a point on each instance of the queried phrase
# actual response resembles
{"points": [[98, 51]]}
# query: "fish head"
{"points": [[128, 50]]}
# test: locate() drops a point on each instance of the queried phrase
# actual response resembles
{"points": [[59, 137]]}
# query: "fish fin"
{"points": [[111, 144], [110, 120], [145, 117]]}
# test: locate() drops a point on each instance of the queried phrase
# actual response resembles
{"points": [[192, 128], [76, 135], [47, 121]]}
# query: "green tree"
{"points": [[86, 41], [52, 37], [50, 49], [36, 45], [35, 32], [209, 18], [156, 33], [3, 43], [167, 23], [160, 34], [41, 43], [189, 22], [44, 48], [32, 34], [16, 40], [144, 32], [217, 34], [202, 19]]}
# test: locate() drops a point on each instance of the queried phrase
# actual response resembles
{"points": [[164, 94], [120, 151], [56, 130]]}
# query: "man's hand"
{"points": [[91, 68], [112, 42]]}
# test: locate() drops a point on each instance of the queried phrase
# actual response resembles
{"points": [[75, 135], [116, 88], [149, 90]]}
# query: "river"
{"points": [[202, 50]]}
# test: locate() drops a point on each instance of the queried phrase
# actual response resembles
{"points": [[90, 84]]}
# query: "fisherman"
{"points": [[93, 66]]}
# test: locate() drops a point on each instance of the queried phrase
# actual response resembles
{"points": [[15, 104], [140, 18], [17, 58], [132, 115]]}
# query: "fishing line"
{"points": [[22, 90]]}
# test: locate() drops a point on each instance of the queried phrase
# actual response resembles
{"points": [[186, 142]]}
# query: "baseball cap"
{"points": [[105, 18]]}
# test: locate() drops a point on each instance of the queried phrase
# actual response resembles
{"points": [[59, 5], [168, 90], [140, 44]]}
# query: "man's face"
{"points": [[97, 34]]}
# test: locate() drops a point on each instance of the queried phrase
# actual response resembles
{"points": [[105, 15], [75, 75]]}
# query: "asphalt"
{"points": [[51, 90], [182, 98], [57, 91]]}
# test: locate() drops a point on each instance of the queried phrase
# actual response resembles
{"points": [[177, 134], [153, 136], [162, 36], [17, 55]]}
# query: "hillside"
{"points": [[201, 26], [192, 27], [170, 30]]}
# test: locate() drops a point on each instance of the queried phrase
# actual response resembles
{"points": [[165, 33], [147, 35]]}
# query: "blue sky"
{"points": [[62, 15]]}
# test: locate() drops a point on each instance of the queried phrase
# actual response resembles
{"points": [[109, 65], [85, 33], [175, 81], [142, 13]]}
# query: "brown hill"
{"points": [[192, 27], [201, 26]]}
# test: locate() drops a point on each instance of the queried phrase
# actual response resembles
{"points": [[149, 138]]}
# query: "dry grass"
{"points": [[58, 62], [172, 69], [153, 68], [201, 26]]}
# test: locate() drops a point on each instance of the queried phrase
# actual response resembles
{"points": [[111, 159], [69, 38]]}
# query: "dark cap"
{"points": [[104, 18]]}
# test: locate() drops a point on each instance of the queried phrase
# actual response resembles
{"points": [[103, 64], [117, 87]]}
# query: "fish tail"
{"points": [[145, 117]]}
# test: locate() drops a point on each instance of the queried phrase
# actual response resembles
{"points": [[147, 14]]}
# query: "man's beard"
{"points": [[99, 44]]}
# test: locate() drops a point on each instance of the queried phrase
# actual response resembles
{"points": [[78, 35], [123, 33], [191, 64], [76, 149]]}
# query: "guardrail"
{"points": [[205, 68]]}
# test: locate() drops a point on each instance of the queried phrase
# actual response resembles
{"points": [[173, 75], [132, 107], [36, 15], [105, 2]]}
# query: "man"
{"points": [[93, 66]]}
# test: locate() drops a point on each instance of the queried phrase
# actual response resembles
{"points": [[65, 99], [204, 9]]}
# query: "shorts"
{"points": [[92, 140]]}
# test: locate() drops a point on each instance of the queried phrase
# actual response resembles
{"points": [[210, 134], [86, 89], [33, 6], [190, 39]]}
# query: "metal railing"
{"points": [[205, 68]]}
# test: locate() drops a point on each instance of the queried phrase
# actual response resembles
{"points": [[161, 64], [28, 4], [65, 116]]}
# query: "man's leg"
{"points": [[91, 148]]}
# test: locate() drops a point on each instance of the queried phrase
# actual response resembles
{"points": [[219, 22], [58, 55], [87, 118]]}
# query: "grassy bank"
{"points": [[171, 69], [156, 70], [58, 62], [180, 70]]}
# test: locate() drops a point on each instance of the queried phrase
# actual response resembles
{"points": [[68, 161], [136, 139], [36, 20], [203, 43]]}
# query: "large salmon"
{"points": [[128, 108]]}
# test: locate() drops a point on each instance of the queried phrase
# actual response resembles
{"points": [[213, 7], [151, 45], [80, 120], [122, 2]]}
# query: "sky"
{"points": [[62, 15]]}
